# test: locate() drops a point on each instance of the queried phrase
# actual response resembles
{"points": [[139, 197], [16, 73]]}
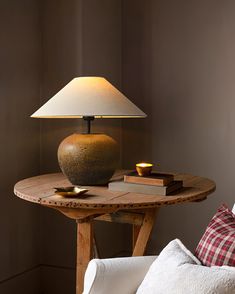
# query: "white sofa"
{"points": [[117, 275]]}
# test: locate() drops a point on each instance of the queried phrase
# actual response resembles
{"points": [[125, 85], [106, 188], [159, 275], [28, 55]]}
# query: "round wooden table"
{"points": [[99, 203]]}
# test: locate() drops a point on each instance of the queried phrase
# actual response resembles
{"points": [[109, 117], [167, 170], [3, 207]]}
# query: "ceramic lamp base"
{"points": [[88, 159]]}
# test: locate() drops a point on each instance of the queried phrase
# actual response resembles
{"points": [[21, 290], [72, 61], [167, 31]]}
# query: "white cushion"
{"points": [[233, 208], [177, 271]]}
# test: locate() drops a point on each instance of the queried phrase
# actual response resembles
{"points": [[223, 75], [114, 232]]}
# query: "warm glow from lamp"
{"points": [[89, 96]]}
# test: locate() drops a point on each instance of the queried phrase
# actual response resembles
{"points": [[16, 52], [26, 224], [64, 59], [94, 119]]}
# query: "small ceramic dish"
{"points": [[72, 191]]}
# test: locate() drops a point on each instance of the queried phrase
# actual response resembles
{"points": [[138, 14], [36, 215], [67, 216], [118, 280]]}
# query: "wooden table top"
{"points": [[40, 189]]}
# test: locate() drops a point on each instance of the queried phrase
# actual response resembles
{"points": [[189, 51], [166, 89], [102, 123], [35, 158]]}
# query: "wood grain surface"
{"points": [[40, 189]]}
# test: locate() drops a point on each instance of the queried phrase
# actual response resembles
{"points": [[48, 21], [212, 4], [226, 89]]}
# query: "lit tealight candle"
{"points": [[144, 169]]}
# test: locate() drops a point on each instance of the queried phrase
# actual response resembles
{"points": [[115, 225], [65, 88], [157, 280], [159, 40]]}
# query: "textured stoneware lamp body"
{"points": [[88, 159]]}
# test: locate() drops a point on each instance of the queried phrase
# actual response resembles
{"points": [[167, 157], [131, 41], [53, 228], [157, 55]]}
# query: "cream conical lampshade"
{"points": [[89, 96]]}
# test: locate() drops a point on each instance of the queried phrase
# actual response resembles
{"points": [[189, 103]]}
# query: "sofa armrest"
{"points": [[116, 275]]}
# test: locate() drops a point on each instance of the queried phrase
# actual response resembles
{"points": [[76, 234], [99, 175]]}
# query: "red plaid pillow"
{"points": [[217, 245]]}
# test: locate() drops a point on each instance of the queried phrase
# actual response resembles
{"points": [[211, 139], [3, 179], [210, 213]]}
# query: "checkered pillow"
{"points": [[217, 246]]}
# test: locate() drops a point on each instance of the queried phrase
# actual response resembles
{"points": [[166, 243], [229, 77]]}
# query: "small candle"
{"points": [[144, 169]]}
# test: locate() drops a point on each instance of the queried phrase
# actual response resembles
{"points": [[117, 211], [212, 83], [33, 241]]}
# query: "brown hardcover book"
{"points": [[155, 179], [145, 189]]}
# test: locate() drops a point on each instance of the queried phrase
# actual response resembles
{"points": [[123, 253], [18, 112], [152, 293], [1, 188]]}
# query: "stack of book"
{"points": [[155, 184]]}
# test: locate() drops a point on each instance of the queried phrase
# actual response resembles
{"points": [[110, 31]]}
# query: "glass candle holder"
{"points": [[144, 169]]}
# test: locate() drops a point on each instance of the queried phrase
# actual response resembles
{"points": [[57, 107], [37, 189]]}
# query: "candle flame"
{"points": [[144, 164]]}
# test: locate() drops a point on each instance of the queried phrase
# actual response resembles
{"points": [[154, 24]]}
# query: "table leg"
{"points": [[84, 251], [135, 233], [145, 231]]}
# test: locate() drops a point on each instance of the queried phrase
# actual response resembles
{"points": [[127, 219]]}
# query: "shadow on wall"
{"points": [[178, 65]]}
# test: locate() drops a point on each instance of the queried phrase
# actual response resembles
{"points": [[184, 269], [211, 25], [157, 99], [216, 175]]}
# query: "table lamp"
{"points": [[89, 158]]}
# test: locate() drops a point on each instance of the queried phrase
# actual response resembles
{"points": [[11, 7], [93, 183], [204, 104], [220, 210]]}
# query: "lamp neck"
{"points": [[88, 119]]}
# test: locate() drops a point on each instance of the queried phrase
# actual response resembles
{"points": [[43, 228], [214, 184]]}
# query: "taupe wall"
{"points": [[179, 66], [174, 59], [44, 45], [19, 148]]}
